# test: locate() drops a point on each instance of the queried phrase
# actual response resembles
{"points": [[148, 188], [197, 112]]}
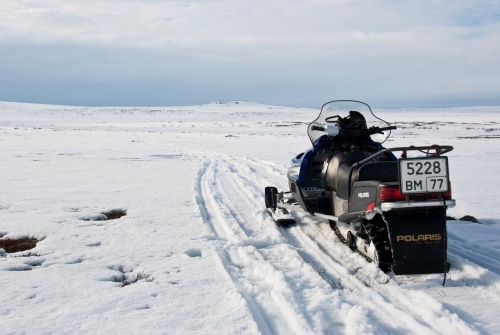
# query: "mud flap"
{"points": [[418, 240]]}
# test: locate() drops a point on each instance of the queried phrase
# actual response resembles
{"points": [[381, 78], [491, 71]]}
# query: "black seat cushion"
{"points": [[336, 173], [381, 171]]}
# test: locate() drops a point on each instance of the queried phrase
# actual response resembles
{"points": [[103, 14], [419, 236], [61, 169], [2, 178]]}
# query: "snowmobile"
{"points": [[390, 209]]}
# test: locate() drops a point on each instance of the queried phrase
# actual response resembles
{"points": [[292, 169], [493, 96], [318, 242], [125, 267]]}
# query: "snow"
{"points": [[197, 251]]}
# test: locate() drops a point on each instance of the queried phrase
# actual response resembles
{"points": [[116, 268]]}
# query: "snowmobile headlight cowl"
{"points": [[390, 194]]}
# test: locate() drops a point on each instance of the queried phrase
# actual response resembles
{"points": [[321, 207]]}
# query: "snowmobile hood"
{"points": [[350, 114]]}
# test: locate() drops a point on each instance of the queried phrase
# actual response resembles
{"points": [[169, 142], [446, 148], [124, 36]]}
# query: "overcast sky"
{"points": [[293, 53]]}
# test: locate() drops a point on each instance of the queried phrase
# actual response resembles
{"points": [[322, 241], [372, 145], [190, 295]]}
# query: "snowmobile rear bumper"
{"points": [[387, 206]]}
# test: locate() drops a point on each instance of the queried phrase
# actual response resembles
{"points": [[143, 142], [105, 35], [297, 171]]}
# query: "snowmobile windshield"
{"points": [[347, 114]]}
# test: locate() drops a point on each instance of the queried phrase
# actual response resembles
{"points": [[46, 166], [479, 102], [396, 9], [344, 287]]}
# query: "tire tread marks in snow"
{"points": [[301, 280]]}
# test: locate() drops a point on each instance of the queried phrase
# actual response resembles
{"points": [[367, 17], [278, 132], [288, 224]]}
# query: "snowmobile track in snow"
{"points": [[250, 260], [488, 259], [277, 270]]}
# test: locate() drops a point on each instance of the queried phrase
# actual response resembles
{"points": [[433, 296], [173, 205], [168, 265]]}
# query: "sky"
{"points": [[300, 53]]}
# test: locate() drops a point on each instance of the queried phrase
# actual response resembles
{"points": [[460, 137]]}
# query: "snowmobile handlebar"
{"points": [[318, 128], [382, 129], [370, 131]]}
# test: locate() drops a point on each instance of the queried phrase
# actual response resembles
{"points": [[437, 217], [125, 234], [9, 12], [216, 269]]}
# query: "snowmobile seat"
{"points": [[337, 172], [380, 171]]}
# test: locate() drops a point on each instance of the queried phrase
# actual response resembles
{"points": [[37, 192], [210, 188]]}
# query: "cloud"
{"points": [[278, 52]]}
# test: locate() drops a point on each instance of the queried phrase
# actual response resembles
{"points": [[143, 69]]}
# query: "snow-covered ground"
{"points": [[196, 247]]}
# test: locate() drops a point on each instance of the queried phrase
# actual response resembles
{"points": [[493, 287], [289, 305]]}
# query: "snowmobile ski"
{"points": [[280, 215]]}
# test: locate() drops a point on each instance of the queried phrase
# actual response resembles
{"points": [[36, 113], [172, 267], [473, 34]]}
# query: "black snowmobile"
{"points": [[392, 210]]}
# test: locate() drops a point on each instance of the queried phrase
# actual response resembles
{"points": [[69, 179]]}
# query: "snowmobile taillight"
{"points": [[390, 194], [433, 196], [370, 206], [447, 195]]}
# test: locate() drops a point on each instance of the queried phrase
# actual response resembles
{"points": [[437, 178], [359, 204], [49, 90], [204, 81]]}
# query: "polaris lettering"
{"points": [[418, 238], [364, 195]]}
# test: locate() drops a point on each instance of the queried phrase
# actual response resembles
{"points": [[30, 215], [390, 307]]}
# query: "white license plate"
{"points": [[423, 175]]}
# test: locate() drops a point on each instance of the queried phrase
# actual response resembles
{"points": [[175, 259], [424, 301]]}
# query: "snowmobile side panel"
{"points": [[418, 240], [312, 161], [362, 194], [297, 194]]}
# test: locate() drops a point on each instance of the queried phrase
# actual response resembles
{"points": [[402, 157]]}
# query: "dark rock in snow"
{"points": [[469, 218]]}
